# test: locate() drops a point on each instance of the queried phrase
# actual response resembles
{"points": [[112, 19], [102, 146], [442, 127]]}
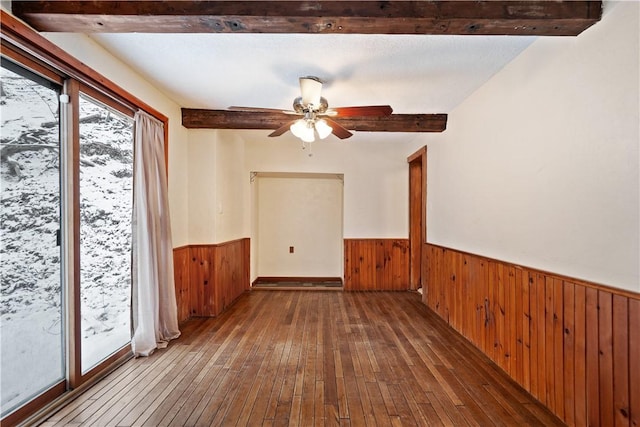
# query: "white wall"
{"points": [[540, 165], [92, 54], [232, 211], [201, 192], [218, 211], [375, 175], [375, 189], [303, 211]]}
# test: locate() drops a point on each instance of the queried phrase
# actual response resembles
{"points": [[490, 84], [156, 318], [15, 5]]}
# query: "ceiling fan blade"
{"points": [[310, 88], [368, 110], [282, 129], [338, 130], [260, 110]]}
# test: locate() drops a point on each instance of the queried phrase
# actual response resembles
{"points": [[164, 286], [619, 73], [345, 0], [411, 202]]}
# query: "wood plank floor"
{"points": [[311, 359]]}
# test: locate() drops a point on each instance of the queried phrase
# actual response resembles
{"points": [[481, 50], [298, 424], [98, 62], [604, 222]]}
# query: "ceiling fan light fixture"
{"points": [[297, 128], [323, 129], [308, 135], [303, 129]]}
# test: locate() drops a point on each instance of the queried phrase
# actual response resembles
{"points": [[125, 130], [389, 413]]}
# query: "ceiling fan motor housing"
{"points": [[301, 108]]}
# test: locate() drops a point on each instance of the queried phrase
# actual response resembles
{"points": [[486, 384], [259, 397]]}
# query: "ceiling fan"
{"points": [[317, 119]]}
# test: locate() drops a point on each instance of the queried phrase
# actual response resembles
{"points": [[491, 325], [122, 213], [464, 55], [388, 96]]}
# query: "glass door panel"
{"points": [[31, 304], [106, 203]]}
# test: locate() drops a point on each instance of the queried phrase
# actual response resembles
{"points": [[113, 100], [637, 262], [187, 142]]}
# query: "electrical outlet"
{"points": [[291, 250]]}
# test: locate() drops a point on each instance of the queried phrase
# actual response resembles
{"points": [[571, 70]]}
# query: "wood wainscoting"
{"points": [[376, 264], [208, 278], [573, 345], [181, 262]]}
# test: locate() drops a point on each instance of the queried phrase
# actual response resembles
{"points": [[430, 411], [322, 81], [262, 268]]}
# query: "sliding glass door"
{"points": [[66, 195], [66, 209], [106, 198], [32, 312]]}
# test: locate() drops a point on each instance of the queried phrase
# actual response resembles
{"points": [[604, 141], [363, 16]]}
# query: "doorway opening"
{"points": [[298, 230]]}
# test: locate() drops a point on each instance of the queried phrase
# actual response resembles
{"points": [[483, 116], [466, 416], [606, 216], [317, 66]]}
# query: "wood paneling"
{"points": [[376, 264], [201, 280], [181, 278], [620, 327], [592, 398], [634, 366], [231, 265], [573, 345], [208, 278]]}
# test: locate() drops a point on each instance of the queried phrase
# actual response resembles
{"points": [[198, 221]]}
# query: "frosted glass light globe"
{"points": [[323, 129]]}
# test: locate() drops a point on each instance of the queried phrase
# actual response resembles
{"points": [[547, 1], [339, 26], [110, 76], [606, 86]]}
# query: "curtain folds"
{"points": [[154, 310]]}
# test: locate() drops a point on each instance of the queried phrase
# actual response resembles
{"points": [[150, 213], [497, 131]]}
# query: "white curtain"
{"points": [[154, 310]]}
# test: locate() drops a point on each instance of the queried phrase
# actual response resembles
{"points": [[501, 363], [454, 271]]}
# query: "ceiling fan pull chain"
{"points": [[306, 144]]}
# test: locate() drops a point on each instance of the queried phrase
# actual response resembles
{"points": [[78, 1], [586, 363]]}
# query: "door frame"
{"points": [[417, 217]]}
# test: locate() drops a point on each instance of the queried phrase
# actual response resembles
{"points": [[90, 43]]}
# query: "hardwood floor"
{"points": [[311, 358]]}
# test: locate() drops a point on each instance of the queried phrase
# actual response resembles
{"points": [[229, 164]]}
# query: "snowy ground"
{"points": [[31, 304]]}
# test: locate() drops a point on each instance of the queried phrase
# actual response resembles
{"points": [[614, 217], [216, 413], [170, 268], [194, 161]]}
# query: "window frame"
{"points": [[75, 374], [14, 62]]}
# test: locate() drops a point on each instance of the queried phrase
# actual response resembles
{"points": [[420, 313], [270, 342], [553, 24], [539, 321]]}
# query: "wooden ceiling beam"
{"points": [[493, 17], [226, 119]]}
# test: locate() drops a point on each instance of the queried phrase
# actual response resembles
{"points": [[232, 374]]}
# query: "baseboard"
{"points": [[297, 283]]}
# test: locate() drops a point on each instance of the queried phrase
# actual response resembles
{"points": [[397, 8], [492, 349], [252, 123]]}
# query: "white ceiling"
{"points": [[413, 74]]}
